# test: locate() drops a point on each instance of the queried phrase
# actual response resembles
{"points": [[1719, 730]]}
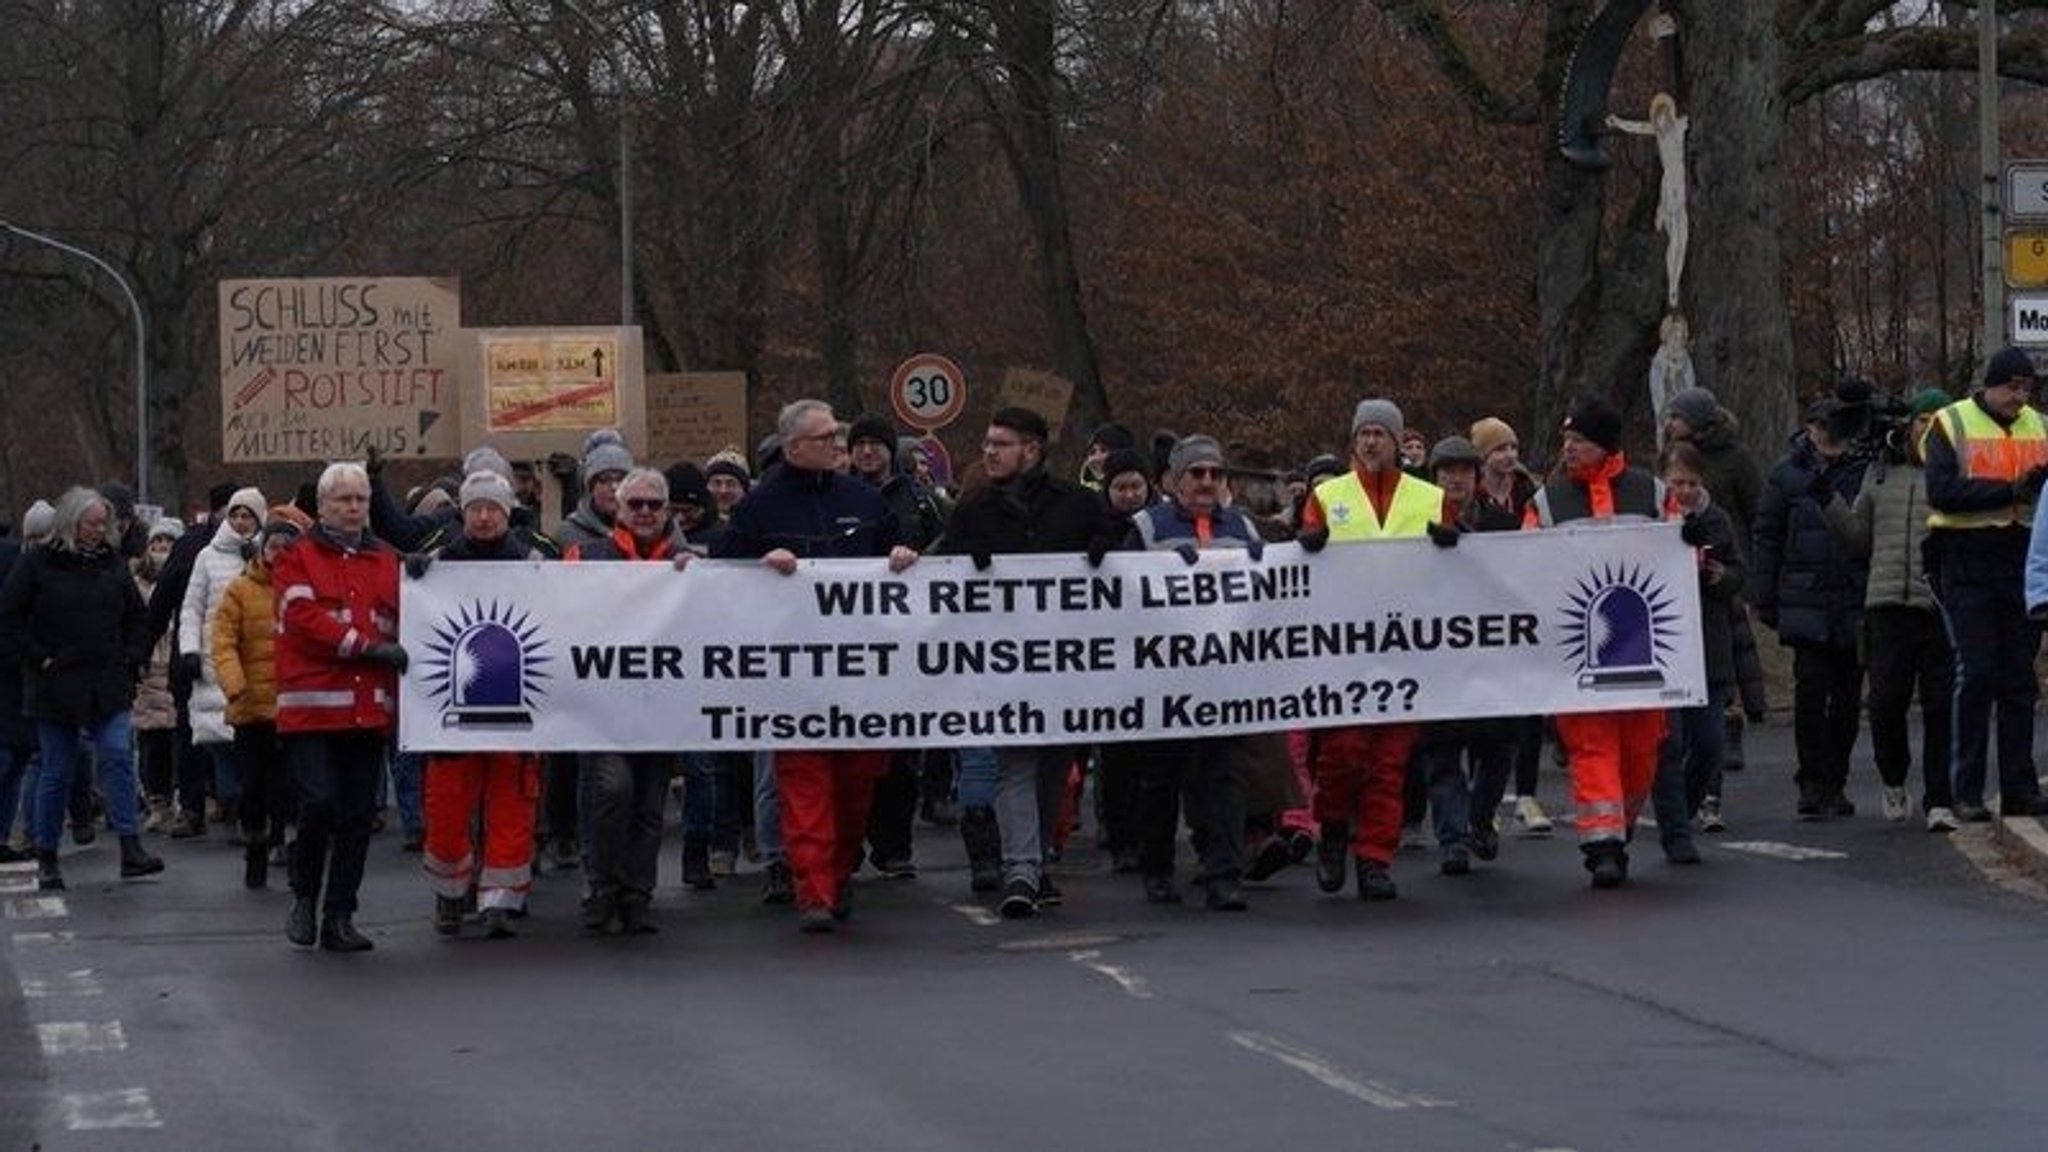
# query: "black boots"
{"points": [[298, 926], [1607, 860], [49, 877], [136, 860], [255, 863], [984, 848], [338, 934], [447, 915]]}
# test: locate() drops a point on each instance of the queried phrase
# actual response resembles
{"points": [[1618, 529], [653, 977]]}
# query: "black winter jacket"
{"points": [[1035, 512], [79, 631], [1805, 581], [813, 514]]}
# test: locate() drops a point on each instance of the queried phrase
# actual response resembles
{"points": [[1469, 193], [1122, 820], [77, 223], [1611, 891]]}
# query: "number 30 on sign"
{"points": [[928, 391]]}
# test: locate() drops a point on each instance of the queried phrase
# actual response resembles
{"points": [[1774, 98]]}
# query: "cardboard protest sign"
{"points": [[691, 415], [1042, 392], [326, 369], [542, 390]]}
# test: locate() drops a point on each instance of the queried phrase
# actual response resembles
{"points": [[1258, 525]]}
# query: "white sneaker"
{"points": [[1710, 815], [1530, 816], [1415, 838], [1893, 800], [1942, 820]]}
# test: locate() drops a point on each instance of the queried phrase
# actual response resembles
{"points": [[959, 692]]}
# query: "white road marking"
{"points": [[1781, 851], [42, 939], [120, 1108], [22, 866], [1373, 1092], [1135, 985], [71, 1037], [82, 982], [1060, 942], [978, 915], [17, 883], [36, 908]]}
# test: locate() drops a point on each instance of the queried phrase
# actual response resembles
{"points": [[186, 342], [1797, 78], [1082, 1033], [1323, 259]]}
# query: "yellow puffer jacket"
{"points": [[244, 639]]}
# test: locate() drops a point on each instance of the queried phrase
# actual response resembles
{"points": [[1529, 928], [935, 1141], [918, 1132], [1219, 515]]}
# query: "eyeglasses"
{"points": [[817, 437], [647, 505]]}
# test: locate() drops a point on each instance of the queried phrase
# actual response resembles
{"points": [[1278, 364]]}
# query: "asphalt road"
{"points": [[1854, 984]]}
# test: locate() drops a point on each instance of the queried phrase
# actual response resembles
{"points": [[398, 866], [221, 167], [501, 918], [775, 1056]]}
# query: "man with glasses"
{"points": [[1024, 508], [605, 462], [621, 794], [1987, 455], [807, 509]]}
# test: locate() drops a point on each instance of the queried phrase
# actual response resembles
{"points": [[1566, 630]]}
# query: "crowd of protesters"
{"points": [[242, 670]]}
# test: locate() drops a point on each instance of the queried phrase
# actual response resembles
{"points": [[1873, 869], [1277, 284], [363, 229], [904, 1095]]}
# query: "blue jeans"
{"points": [[113, 749], [700, 795], [974, 780], [407, 774], [1688, 767]]}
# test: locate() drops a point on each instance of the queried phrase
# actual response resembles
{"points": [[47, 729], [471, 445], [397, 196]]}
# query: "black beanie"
{"points": [[1022, 421], [873, 427], [1113, 436], [217, 497], [686, 485], [2008, 363], [1596, 420], [1121, 461]]}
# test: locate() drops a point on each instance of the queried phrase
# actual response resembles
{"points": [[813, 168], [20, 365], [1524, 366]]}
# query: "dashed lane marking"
{"points": [[1781, 851], [72, 1037], [120, 1108], [22, 866], [36, 908], [26, 940], [17, 883], [1060, 942], [1091, 960], [1373, 1092], [978, 915], [80, 982]]}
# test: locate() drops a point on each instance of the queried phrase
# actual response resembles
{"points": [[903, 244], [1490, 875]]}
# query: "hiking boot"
{"points": [[1375, 883], [1608, 862], [447, 915], [298, 923], [697, 866], [1271, 857], [1332, 855], [778, 887], [338, 934], [1020, 900], [136, 860]]}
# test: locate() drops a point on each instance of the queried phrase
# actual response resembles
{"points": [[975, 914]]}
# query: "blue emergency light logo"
{"points": [[486, 666], [1618, 628]]}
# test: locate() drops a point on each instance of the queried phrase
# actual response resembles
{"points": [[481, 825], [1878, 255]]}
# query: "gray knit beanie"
{"points": [[1377, 411], [605, 451]]}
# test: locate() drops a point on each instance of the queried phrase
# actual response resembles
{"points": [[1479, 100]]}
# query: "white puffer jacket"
{"points": [[212, 570]]}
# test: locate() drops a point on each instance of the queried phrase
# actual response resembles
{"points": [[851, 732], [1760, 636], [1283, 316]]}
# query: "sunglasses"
{"points": [[647, 505], [1203, 472]]}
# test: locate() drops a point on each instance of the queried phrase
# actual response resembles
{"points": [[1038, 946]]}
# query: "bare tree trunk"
{"points": [[1734, 291]]}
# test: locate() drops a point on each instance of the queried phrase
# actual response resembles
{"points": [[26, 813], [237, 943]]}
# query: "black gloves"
{"points": [[1096, 551], [2027, 488], [189, 666], [417, 563], [982, 559], [1312, 541], [1693, 532], [1256, 549], [1187, 553], [373, 461], [1442, 535], [389, 654]]}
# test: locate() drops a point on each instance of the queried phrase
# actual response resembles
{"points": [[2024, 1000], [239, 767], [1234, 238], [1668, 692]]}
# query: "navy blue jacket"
{"points": [[1804, 581], [815, 515]]}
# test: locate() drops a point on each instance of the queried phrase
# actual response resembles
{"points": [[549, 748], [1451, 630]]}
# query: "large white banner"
{"points": [[1038, 650]]}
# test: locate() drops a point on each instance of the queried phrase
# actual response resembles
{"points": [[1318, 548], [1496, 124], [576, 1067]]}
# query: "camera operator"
{"points": [[1904, 642]]}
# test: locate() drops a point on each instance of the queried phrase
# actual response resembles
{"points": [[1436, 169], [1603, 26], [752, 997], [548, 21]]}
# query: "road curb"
{"points": [[2025, 840]]}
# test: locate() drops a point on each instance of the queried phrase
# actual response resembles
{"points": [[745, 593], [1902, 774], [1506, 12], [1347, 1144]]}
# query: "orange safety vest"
{"points": [[1988, 450]]}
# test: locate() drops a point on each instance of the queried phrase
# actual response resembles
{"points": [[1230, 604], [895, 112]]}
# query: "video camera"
{"points": [[1868, 421]]}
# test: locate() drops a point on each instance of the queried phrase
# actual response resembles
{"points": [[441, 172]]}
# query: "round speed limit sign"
{"points": [[928, 391]]}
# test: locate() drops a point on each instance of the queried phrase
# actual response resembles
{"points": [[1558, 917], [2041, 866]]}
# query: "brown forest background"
{"points": [[1230, 217]]}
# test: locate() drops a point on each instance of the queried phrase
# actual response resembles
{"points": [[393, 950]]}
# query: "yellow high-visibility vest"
{"points": [[1349, 512], [1988, 450]]}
